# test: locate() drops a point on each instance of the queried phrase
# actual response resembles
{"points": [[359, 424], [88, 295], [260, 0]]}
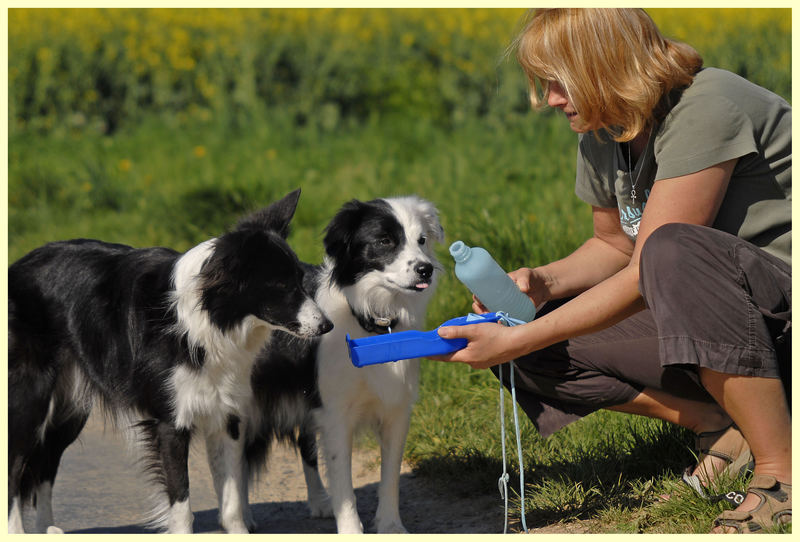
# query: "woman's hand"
{"points": [[532, 282], [488, 344]]}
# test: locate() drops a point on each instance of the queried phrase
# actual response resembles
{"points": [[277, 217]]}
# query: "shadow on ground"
{"points": [[424, 509]]}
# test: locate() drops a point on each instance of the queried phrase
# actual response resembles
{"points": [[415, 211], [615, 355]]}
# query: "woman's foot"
{"points": [[768, 504], [720, 453]]}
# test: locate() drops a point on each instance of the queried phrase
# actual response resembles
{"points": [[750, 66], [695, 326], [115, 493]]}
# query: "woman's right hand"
{"points": [[534, 283], [531, 282]]}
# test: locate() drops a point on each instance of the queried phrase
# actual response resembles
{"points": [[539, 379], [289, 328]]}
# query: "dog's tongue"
{"points": [[422, 285]]}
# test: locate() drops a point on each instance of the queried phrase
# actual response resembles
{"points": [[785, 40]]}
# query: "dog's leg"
{"points": [[44, 507], [173, 448], [15, 515], [16, 462], [247, 513], [30, 411], [67, 424], [337, 432], [225, 451], [319, 503], [394, 429]]}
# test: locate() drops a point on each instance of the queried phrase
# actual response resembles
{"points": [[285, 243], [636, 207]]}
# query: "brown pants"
{"points": [[713, 301]]}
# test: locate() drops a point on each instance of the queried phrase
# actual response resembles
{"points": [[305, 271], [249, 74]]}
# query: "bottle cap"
{"points": [[459, 251]]}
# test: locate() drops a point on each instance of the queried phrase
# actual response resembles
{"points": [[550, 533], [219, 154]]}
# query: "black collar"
{"points": [[372, 324]]}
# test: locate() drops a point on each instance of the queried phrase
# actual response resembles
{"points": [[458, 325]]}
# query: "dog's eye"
{"points": [[421, 240], [385, 242]]}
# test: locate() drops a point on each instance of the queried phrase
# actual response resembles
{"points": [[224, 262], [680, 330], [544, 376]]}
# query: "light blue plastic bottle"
{"points": [[484, 277]]}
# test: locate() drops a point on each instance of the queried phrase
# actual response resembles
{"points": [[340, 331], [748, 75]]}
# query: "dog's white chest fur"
{"points": [[363, 391], [205, 396], [379, 264]]}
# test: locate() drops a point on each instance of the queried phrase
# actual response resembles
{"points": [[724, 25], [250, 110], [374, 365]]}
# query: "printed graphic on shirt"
{"points": [[630, 216], [630, 210]]}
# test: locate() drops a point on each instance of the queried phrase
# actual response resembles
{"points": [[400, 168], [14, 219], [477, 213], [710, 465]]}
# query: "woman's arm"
{"points": [[693, 199], [603, 255]]}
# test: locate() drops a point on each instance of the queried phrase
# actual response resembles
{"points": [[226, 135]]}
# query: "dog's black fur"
{"points": [[376, 264], [90, 320]]}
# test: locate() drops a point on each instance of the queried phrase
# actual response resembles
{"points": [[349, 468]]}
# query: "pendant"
{"points": [[633, 195]]}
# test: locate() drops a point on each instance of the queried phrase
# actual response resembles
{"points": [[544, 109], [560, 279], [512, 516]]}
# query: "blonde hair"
{"points": [[614, 64]]}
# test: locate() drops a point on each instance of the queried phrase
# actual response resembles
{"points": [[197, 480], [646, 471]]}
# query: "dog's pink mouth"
{"points": [[420, 286]]}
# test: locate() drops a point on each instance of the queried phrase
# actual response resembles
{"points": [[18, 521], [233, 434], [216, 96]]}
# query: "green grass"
{"points": [[505, 183], [112, 136], [206, 173]]}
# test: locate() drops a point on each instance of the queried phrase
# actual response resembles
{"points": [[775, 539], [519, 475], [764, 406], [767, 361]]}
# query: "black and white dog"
{"points": [[378, 274], [164, 341]]}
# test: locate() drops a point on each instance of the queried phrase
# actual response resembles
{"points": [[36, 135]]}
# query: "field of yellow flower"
{"points": [[164, 126], [107, 66]]}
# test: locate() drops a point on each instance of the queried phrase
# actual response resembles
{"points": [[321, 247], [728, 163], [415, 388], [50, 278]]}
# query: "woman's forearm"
{"points": [[599, 307], [604, 305], [592, 263]]}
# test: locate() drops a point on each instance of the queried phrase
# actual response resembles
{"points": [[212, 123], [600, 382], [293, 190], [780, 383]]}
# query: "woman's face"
{"points": [[557, 98]]}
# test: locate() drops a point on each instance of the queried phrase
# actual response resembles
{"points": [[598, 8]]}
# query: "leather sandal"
{"points": [[774, 508], [727, 444]]}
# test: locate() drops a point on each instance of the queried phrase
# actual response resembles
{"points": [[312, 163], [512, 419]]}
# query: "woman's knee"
{"points": [[676, 254], [664, 246]]}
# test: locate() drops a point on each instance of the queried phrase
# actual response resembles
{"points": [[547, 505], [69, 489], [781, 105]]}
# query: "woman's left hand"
{"points": [[488, 344]]}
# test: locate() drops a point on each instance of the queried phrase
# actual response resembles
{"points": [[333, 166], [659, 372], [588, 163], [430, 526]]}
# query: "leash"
{"points": [[502, 482]]}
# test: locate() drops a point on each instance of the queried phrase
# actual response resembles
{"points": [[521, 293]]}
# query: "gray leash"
{"points": [[502, 483]]}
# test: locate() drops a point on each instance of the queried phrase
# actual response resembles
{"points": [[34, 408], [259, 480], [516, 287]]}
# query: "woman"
{"points": [[679, 306]]}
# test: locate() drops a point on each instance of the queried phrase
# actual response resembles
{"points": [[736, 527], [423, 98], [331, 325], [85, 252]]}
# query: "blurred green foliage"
{"points": [[162, 126], [101, 67]]}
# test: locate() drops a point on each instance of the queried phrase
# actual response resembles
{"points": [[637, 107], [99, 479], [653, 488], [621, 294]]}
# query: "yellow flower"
{"points": [[199, 151], [44, 54], [125, 164]]}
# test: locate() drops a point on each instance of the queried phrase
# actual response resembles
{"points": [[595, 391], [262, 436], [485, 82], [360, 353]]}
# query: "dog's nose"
{"points": [[424, 270], [325, 326]]}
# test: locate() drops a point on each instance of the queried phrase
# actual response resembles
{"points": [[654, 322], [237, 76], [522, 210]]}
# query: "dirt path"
{"points": [[100, 490]]}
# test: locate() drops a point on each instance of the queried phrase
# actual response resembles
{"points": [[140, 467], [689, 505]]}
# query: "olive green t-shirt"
{"points": [[720, 116]]}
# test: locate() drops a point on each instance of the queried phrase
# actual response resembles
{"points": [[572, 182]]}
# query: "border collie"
{"points": [[164, 341], [378, 275]]}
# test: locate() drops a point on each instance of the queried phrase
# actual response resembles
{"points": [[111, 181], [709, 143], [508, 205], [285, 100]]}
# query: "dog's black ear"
{"points": [[339, 232], [276, 217]]}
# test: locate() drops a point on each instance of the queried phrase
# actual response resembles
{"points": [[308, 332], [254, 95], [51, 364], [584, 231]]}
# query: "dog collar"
{"points": [[379, 325]]}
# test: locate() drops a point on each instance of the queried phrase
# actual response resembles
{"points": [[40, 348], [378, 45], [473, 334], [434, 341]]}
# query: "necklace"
{"points": [[635, 181]]}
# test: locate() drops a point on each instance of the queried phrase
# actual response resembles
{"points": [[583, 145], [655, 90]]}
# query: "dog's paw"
{"points": [[349, 523], [249, 521], [251, 524], [238, 527], [391, 527], [54, 530], [351, 529], [237, 524], [320, 506]]}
